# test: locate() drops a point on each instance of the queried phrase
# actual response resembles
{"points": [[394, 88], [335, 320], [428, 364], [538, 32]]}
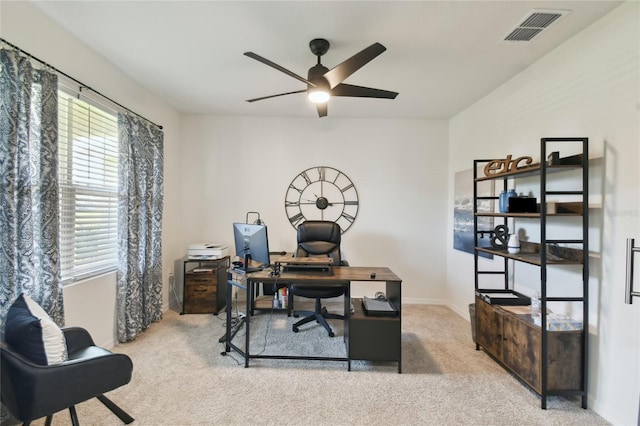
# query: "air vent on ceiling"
{"points": [[533, 24]]}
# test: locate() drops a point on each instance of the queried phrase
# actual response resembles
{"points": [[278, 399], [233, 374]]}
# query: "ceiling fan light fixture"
{"points": [[323, 83], [318, 96]]}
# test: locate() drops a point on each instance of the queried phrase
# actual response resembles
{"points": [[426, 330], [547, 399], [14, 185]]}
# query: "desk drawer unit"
{"points": [[373, 338]]}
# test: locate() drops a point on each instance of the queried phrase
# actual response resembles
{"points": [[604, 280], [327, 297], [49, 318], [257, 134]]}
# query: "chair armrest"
{"points": [[89, 377], [77, 338]]}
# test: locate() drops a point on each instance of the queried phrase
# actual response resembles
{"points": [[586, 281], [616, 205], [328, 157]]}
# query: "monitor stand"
{"points": [[246, 268]]}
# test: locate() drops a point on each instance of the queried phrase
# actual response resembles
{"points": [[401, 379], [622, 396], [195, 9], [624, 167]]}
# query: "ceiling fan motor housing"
{"points": [[319, 47], [315, 76]]}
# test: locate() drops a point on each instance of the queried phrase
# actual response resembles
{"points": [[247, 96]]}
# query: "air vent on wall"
{"points": [[533, 24]]}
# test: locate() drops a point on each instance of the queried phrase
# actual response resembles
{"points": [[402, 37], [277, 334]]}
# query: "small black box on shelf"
{"points": [[522, 205]]}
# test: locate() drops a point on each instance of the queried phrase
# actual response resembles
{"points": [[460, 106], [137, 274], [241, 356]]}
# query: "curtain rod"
{"points": [[82, 85]]}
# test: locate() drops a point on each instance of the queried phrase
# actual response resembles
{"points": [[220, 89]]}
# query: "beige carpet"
{"points": [[181, 378]]}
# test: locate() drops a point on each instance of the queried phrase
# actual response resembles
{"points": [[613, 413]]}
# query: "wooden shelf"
{"points": [[554, 208], [531, 258], [525, 215], [530, 253]]}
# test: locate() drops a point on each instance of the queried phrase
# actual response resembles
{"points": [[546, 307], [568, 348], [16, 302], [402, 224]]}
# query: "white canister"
{"points": [[513, 245]]}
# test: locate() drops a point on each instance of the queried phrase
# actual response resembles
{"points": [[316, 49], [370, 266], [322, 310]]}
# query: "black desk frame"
{"points": [[343, 276]]}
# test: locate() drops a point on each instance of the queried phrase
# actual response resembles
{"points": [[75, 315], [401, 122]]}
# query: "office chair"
{"points": [[318, 238], [31, 391]]}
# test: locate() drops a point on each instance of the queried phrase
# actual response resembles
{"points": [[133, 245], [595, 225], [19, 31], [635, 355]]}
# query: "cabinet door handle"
{"points": [[629, 293]]}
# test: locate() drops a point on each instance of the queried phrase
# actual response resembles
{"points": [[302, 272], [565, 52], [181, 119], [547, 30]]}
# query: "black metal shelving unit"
{"points": [[544, 253]]}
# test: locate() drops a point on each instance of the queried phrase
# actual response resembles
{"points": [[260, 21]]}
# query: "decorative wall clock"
{"points": [[322, 193]]}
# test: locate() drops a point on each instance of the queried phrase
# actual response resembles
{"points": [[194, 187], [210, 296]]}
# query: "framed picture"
{"points": [[463, 238]]}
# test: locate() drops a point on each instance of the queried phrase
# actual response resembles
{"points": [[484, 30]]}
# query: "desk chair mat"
{"points": [[311, 340]]}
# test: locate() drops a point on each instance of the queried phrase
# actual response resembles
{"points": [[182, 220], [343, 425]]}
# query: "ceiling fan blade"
{"points": [[338, 74], [275, 96], [322, 109], [361, 92], [278, 67]]}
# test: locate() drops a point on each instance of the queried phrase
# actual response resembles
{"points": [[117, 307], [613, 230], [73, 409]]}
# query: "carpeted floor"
{"points": [[181, 378]]}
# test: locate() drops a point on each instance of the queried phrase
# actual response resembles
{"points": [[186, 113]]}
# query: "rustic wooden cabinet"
{"points": [[550, 361], [515, 341], [205, 286]]}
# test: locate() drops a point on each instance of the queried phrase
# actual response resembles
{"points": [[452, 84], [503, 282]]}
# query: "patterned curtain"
{"points": [[29, 242], [139, 229]]}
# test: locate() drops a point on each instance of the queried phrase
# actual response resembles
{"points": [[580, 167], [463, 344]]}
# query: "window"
{"points": [[88, 174]]}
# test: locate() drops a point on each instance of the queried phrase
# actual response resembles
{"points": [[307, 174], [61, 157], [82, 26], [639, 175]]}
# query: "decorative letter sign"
{"points": [[496, 167]]}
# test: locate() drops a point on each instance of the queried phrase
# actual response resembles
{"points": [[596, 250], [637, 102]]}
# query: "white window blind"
{"points": [[88, 174]]}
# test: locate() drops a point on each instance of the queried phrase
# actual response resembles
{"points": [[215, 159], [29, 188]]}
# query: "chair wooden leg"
{"points": [[74, 416], [122, 415]]}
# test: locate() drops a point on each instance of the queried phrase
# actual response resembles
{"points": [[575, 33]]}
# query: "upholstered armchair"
{"points": [[31, 391]]}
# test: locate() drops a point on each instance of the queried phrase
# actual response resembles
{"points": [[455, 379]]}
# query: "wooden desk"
{"points": [[366, 337]]}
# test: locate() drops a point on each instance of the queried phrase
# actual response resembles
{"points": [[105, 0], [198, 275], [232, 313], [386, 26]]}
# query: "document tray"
{"points": [[378, 307], [503, 297]]}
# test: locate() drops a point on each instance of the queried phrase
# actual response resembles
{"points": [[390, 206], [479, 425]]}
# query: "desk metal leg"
{"points": [[227, 340], [347, 315], [247, 322], [394, 293]]}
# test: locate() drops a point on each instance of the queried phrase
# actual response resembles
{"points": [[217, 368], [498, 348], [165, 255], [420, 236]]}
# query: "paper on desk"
{"points": [[500, 295]]}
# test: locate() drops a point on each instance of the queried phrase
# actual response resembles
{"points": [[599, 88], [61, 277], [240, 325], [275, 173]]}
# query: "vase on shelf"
{"points": [[503, 200], [513, 245]]}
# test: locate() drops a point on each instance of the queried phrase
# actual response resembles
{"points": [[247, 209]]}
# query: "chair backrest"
{"points": [[319, 237]]}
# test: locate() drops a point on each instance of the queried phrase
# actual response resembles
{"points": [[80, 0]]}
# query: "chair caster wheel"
{"points": [[331, 334], [295, 329], [296, 316]]}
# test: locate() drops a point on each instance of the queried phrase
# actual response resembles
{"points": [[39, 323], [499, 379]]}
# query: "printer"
{"points": [[207, 251]]}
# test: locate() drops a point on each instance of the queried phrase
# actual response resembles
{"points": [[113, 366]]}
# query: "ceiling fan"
{"points": [[323, 83]]}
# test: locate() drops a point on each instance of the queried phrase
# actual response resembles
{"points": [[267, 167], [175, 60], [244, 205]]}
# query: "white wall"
{"points": [[587, 87], [232, 165], [91, 304]]}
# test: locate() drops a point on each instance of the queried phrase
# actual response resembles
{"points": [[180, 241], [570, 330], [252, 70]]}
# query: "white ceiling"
{"points": [[441, 56]]}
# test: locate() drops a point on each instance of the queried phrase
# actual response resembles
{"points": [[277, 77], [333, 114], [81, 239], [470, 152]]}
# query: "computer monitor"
{"points": [[251, 244]]}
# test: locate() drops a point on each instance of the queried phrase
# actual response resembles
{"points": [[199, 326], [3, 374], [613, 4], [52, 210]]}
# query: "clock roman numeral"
{"points": [[292, 186], [346, 188], [321, 173], [292, 203], [306, 177], [295, 219], [351, 203], [348, 217]]}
